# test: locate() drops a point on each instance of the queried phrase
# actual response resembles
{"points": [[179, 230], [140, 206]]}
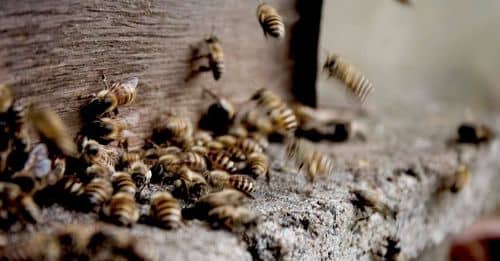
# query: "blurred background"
{"points": [[432, 64]]}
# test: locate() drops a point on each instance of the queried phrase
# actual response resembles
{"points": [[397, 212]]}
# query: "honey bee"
{"points": [[201, 138], [33, 181], [460, 179], [38, 247], [373, 200], [16, 206], [122, 182], [270, 21], [242, 183], [211, 201], [140, 173], [72, 186], [105, 130], [258, 165], [6, 98], [122, 209], [217, 179], [220, 160], [256, 122], [53, 130], [96, 170], [227, 140], [167, 164], [475, 133], [173, 128], [211, 49], [97, 192], [95, 153], [20, 142], [238, 131], [109, 99], [194, 161], [200, 150], [233, 218], [281, 115], [165, 210], [244, 147], [355, 82], [306, 156], [191, 184], [219, 115], [36, 167]]}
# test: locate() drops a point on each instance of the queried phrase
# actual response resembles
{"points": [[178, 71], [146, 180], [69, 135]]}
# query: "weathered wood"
{"points": [[52, 52]]}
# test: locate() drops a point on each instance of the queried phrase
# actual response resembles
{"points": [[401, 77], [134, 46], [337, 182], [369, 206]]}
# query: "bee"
{"points": [[140, 173], [213, 200], [200, 150], [201, 138], [211, 49], [220, 160], [256, 122], [165, 210], [355, 82], [233, 218], [105, 130], [167, 164], [245, 147], [20, 142], [96, 170], [460, 179], [109, 99], [306, 156], [71, 186], [156, 153], [219, 116], [194, 161], [95, 153], [97, 192], [38, 247], [238, 131], [373, 200], [72, 240], [36, 167], [191, 184], [475, 133], [107, 244], [6, 98], [219, 179], [122, 182], [270, 21], [227, 140], [281, 115], [260, 138], [258, 165], [122, 209], [173, 128], [16, 206], [52, 129]]}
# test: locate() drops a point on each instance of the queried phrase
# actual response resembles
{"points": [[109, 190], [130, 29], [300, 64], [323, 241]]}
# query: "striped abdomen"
{"points": [[216, 59], [125, 92], [271, 21], [242, 183], [122, 182], [97, 192], [220, 160], [123, 209], [165, 210]]}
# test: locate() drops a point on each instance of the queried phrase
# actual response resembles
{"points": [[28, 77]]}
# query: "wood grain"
{"points": [[52, 52]]}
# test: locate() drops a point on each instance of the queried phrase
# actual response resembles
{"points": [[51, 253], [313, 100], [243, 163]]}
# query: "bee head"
{"points": [[330, 62]]}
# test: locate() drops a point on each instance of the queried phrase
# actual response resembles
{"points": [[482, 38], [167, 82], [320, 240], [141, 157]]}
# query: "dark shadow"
{"points": [[304, 49]]}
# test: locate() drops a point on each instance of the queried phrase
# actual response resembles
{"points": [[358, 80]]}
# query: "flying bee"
{"points": [[109, 99], [316, 163], [140, 173], [173, 128], [36, 167], [19, 137], [282, 116], [97, 192], [374, 200], [220, 160], [211, 49], [105, 130], [213, 200], [253, 120], [32, 181], [354, 80], [165, 210], [233, 218], [270, 21], [52, 129], [122, 209], [219, 116], [475, 133], [122, 182], [95, 153], [258, 165], [194, 161]]}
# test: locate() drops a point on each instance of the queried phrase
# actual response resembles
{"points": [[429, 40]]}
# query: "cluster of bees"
{"points": [[207, 172], [77, 242]]}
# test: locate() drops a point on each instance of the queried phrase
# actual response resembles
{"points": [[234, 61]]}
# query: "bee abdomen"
{"points": [[123, 209], [220, 160], [165, 210], [270, 21], [194, 161], [97, 192], [122, 182], [242, 183], [258, 164]]}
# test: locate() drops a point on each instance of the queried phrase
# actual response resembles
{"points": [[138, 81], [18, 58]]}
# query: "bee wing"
{"points": [[131, 82]]}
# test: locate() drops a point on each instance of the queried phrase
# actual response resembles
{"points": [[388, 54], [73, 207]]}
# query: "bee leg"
{"points": [[104, 80], [86, 96]]}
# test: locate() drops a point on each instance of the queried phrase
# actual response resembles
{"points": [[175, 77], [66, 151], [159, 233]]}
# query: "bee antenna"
{"points": [[210, 92]]}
